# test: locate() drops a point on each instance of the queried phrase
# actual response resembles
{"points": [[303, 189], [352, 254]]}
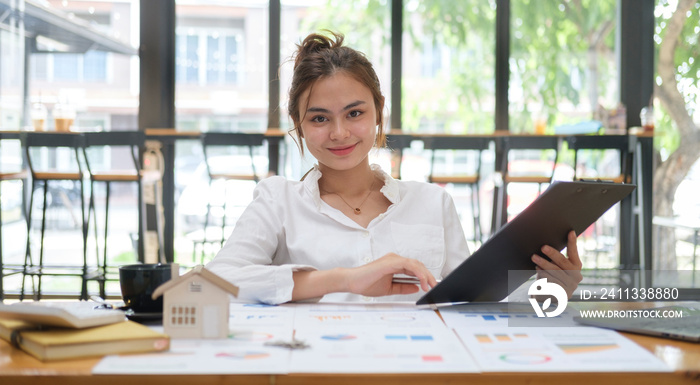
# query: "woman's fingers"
{"points": [[375, 278], [564, 270]]}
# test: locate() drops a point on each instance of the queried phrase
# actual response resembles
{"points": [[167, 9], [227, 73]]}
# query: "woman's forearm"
{"points": [[317, 283]]}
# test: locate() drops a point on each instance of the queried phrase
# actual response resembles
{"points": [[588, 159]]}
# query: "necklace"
{"points": [[357, 210]]}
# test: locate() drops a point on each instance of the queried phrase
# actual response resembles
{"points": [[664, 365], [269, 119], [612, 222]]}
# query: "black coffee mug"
{"points": [[138, 282]]}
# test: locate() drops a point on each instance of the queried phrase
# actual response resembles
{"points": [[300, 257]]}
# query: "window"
{"points": [[562, 67], [448, 67], [220, 68], [220, 65]]}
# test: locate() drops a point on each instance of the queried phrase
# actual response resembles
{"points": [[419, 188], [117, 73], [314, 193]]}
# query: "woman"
{"points": [[347, 227]]}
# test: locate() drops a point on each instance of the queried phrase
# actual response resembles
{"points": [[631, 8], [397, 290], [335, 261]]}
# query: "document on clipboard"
{"points": [[564, 206]]}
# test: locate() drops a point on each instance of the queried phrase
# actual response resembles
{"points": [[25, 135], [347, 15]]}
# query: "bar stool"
{"points": [[97, 146], [41, 176], [540, 150], [593, 145], [467, 146], [235, 147], [18, 175]]}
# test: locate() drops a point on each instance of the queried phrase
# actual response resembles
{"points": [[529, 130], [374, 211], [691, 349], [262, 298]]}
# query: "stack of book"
{"points": [[66, 330]]}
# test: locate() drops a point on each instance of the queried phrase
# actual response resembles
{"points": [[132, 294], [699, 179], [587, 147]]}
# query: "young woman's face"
{"points": [[339, 122]]}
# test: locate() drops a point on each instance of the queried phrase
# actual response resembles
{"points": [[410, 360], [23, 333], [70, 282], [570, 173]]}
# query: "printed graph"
{"points": [[249, 355], [338, 337], [397, 318], [586, 348], [250, 336], [525, 358], [408, 337], [484, 338]]}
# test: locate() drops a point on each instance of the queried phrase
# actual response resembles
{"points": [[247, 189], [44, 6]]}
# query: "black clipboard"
{"points": [[564, 206]]}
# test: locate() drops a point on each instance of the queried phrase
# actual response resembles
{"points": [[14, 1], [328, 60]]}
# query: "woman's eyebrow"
{"points": [[353, 105], [326, 111]]}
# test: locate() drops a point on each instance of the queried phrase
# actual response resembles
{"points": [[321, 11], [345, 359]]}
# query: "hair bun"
{"points": [[315, 43]]}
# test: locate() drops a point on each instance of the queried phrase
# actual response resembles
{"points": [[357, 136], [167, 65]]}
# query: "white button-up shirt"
{"points": [[288, 227]]}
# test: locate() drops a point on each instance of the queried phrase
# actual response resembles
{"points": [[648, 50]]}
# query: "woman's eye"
{"points": [[319, 119], [354, 114]]}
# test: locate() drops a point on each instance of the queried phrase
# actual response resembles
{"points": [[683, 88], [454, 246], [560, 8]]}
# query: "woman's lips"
{"points": [[344, 150]]}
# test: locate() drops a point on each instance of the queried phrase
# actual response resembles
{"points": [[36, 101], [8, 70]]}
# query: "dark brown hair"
{"points": [[321, 56]]}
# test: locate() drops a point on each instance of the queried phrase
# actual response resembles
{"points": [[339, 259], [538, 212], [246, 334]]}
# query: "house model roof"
{"points": [[199, 271]]}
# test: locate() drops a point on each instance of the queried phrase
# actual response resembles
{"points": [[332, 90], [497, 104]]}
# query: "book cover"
{"points": [[72, 314], [7, 326], [117, 338]]}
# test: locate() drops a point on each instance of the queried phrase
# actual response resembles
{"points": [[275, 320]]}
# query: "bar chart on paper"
{"points": [[376, 339], [504, 349], [352, 349]]}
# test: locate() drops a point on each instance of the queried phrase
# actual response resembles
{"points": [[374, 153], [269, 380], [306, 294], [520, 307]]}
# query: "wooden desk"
{"points": [[18, 368]]}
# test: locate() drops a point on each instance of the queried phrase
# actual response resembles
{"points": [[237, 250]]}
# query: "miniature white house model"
{"points": [[196, 304]]}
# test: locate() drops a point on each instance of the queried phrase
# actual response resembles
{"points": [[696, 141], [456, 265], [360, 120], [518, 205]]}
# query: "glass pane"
{"points": [[71, 72], [562, 67], [676, 220], [221, 65], [101, 87], [448, 66], [11, 85]]}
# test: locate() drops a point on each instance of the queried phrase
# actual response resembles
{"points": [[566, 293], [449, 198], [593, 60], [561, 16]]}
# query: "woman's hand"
{"points": [[375, 278], [562, 270]]}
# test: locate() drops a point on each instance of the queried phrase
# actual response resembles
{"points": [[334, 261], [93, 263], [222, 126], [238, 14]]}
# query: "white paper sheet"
{"points": [[243, 352], [502, 314], [376, 339], [402, 315], [556, 349]]}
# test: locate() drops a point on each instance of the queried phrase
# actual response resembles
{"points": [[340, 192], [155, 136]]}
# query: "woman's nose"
{"points": [[339, 131]]}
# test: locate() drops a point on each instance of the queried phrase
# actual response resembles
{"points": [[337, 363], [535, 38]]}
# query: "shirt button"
{"points": [[366, 299], [365, 235], [367, 260]]}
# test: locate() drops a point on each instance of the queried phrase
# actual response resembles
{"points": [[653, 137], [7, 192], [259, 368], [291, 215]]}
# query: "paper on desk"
{"points": [[403, 315], [556, 349], [502, 314], [381, 350], [243, 352], [376, 339]]}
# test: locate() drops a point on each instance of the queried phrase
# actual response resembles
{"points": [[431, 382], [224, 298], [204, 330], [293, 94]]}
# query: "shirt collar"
{"points": [[390, 188]]}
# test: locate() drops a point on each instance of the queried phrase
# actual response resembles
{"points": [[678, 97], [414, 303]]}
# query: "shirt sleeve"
{"points": [[247, 258], [456, 248]]}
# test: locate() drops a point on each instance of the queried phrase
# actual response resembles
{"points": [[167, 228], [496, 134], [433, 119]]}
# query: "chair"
{"points": [[525, 160], [596, 148], [43, 171], [397, 142], [597, 145], [470, 178], [98, 145], [18, 175], [228, 156]]}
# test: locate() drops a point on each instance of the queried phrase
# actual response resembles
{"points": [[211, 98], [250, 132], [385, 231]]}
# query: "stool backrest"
{"points": [[133, 140], [619, 143], [231, 139], [72, 141], [460, 144], [541, 144]]}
